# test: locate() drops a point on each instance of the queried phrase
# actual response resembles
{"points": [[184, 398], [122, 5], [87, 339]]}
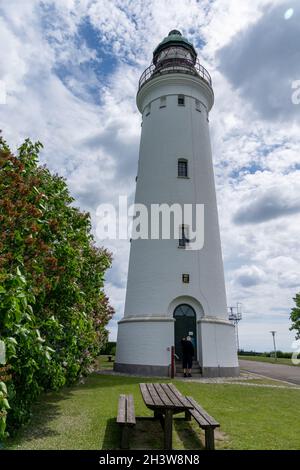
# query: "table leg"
{"points": [[159, 416], [209, 439], [168, 429]]}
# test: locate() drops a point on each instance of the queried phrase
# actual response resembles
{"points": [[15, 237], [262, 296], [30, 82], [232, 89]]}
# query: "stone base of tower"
{"points": [[142, 369], [144, 346], [217, 352]]}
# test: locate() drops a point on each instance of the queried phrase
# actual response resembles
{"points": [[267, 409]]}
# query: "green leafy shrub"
{"points": [[295, 316], [109, 348], [53, 310]]}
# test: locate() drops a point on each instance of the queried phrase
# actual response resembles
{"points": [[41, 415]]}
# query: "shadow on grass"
{"points": [[188, 434], [112, 435], [148, 435], [44, 412]]}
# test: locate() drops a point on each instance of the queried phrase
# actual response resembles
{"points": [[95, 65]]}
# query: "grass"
{"points": [[83, 417], [280, 360], [103, 362], [267, 381]]}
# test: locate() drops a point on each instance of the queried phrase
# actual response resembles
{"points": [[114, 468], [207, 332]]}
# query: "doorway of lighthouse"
{"points": [[185, 325]]}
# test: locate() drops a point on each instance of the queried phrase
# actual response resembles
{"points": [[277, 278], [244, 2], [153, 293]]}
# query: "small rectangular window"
{"points": [[163, 102], [198, 106], [186, 278], [180, 100], [148, 109], [182, 168], [183, 234]]}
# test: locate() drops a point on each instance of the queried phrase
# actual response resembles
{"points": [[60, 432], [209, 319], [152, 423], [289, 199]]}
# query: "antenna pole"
{"points": [[235, 315], [274, 344]]}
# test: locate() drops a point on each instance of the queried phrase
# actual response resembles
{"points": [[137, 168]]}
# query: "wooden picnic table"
{"points": [[165, 400]]}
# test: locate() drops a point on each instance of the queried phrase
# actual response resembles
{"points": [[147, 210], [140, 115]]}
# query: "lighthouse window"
{"points": [[183, 234], [163, 102], [182, 168], [180, 100]]}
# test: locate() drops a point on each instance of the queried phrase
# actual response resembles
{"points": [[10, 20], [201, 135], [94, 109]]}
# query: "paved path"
{"points": [[274, 371]]}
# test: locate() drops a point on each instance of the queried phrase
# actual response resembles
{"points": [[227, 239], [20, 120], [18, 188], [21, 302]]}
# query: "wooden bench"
{"points": [[166, 401], [205, 422], [126, 418]]}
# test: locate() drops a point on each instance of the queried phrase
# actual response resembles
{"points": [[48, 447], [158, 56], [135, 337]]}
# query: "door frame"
{"points": [[194, 328]]}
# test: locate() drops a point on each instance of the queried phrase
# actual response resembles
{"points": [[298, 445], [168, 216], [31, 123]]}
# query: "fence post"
{"points": [[172, 362]]}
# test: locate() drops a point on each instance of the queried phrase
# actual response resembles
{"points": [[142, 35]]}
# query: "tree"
{"points": [[295, 316], [53, 309]]}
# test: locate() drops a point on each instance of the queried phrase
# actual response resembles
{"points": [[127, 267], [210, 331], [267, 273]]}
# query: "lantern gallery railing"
{"points": [[175, 66]]}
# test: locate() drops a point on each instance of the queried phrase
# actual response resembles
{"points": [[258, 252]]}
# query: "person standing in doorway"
{"points": [[183, 351], [187, 356]]}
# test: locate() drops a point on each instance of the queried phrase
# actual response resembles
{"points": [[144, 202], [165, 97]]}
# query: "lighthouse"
{"points": [[174, 289]]}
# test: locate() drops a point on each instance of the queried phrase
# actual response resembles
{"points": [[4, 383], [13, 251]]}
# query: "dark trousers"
{"points": [[187, 362]]}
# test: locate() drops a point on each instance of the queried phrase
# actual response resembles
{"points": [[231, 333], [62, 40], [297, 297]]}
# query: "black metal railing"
{"points": [[175, 65]]}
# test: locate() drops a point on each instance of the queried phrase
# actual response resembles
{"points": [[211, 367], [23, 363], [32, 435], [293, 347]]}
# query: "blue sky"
{"points": [[71, 68]]}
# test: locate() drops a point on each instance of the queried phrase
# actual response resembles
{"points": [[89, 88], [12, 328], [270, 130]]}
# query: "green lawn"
{"points": [[103, 362], [83, 417], [279, 360]]}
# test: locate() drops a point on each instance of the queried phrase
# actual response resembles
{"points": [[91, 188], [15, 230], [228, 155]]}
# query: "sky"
{"points": [[70, 69]]}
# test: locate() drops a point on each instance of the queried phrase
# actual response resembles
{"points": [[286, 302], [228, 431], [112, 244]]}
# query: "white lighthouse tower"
{"points": [[173, 290]]}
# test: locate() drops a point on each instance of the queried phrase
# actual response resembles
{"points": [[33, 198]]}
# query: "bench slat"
{"points": [[130, 418], [121, 418], [181, 398], [175, 400], [199, 418], [157, 401], [163, 396], [201, 415], [146, 395]]}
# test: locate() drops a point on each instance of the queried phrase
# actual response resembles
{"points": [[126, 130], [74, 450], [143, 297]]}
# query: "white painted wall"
{"points": [[217, 344], [156, 266], [145, 342], [154, 285]]}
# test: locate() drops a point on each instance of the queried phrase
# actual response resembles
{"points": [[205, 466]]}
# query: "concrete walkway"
{"points": [[273, 371], [195, 377]]}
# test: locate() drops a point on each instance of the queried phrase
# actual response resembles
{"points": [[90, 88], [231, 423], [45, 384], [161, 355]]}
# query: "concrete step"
{"points": [[194, 376], [179, 363], [194, 372], [196, 369]]}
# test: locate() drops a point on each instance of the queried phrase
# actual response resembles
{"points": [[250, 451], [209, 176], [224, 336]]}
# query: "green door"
{"points": [[185, 325]]}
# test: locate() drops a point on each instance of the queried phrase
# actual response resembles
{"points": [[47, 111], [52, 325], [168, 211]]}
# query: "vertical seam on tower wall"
{"points": [[216, 346], [194, 169], [195, 186], [205, 212]]}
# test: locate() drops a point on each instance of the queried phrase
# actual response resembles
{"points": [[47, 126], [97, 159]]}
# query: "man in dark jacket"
{"points": [[187, 356]]}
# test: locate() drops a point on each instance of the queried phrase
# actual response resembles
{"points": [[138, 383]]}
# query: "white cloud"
{"points": [[262, 61], [248, 276]]}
